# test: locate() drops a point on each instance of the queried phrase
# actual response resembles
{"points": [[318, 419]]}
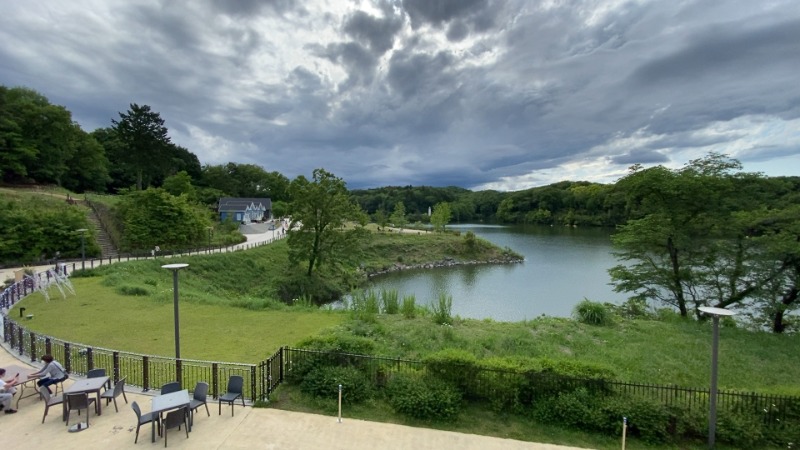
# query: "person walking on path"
{"points": [[51, 373], [7, 391]]}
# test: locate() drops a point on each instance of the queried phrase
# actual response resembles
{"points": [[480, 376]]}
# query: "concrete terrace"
{"points": [[266, 428]]}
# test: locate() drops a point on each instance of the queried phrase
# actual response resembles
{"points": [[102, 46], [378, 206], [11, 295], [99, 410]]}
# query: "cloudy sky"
{"points": [[474, 93]]}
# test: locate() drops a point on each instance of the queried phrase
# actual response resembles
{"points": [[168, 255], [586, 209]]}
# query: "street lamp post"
{"points": [[175, 268], [83, 231], [715, 313]]}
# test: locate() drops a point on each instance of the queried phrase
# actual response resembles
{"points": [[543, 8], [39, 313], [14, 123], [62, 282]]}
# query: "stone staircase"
{"points": [[107, 249]]}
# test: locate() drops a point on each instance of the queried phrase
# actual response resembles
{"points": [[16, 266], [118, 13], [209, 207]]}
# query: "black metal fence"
{"points": [[145, 371], [498, 385]]}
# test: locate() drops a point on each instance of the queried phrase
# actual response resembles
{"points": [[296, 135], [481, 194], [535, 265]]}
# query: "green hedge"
{"points": [[423, 396]]}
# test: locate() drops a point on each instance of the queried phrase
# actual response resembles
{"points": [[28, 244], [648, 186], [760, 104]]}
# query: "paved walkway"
{"points": [[265, 428], [262, 234]]}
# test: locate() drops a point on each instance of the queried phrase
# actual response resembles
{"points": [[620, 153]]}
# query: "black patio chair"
{"points": [[234, 391], [170, 387], [199, 399], [142, 419], [77, 402], [112, 394], [49, 400], [175, 419]]}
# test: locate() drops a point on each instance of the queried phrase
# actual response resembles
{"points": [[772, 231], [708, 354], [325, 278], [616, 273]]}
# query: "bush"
{"points": [[442, 309], [409, 306], [391, 301], [739, 429], [423, 397], [132, 290], [456, 367], [324, 382], [592, 313]]}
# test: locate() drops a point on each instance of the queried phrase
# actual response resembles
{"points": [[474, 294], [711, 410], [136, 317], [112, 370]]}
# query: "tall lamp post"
{"points": [[715, 313], [83, 231], [175, 268]]}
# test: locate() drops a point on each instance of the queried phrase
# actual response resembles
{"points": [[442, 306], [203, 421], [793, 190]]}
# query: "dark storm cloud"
{"points": [[250, 8], [377, 34], [461, 92], [648, 157]]}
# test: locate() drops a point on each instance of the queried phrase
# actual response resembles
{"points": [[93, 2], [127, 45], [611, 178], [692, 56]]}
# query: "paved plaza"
{"points": [[265, 428]]}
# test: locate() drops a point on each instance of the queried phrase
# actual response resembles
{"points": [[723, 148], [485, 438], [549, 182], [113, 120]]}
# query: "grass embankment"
{"points": [[229, 307], [670, 351]]}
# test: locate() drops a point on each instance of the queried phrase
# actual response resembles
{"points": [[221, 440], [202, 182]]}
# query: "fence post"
{"points": [[280, 365], [253, 382], [48, 346], [145, 373], [67, 358], [33, 347], [115, 357], [20, 341], [214, 379], [89, 359]]}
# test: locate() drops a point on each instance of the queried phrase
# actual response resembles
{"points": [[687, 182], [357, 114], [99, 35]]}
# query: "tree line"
{"points": [[704, 234]]}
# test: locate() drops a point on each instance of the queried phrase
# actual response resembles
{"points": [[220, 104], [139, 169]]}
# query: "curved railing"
{"points": [[145, 371]]}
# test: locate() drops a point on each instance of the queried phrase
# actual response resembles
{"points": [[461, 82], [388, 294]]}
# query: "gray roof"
{"points": [[242, 203]]}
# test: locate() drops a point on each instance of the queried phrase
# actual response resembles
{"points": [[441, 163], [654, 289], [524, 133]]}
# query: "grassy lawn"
{"points": [[98, 316]]}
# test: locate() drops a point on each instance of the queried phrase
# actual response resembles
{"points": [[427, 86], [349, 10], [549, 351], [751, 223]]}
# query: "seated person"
{"points": [[7, 391], [51, 373]]}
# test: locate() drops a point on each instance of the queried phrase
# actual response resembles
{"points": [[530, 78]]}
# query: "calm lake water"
{"points": [[562, 267]]}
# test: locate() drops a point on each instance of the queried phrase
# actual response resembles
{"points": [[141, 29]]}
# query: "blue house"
{"points": [[244, 210]]}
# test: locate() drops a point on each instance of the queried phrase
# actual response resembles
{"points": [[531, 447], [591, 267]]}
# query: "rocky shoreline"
{"points": [[447, 262]]}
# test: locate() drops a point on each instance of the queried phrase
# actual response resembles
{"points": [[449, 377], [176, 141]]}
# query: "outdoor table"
{"points": [[88, 386], [23, 382], [168, 402]]}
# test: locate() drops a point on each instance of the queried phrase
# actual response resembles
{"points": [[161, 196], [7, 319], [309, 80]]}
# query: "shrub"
{"points": [[442, 309], [324, 382], [470, 241], [456, 367], [391, 301], [633, 308], [132, 290], [423, 397], [409, 306], [591, 313], [738, 428]]}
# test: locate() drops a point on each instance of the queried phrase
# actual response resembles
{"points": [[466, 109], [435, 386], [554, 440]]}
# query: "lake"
{"points": [[562, 267]]}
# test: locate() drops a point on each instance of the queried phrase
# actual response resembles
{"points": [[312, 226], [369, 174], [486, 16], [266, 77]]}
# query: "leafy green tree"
{"points": [[155, 217], [380, 219], [440, 216], [180, 183], [771, 267], [145, 142], [398, 217], [88, 166], [15, 152], [38, 134], [320, 209], [680, 220]]}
